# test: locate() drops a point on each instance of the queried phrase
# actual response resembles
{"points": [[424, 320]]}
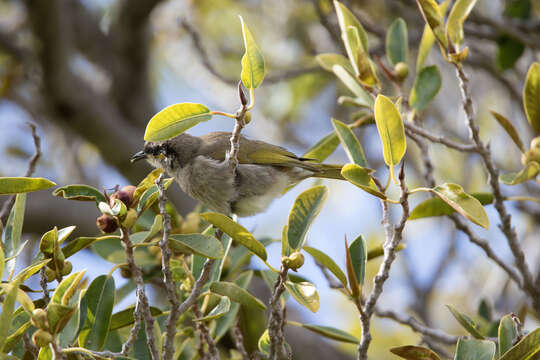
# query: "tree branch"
{"points": [[276, 320]]}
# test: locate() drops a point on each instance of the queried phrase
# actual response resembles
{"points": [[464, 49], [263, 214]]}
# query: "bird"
{"points": [[200, 165]]}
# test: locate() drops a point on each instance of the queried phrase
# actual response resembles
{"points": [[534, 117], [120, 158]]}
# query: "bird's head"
{"points": [[169, 154]]}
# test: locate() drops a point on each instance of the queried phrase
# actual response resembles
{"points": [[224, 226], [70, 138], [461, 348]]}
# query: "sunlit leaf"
{"points": [[361, 177], [252, 62], [236, 293], [350, 143], [323, 148], [378, 251], [16, 185], [80, 192], [304, 210], [13, 230], [426, 87], [473, 349], [66, 288], [411, 352], [531, 96], [397, 43], [526, 348], [58, 316], [219, 310], [530, 171], [507, 334], [305, 293], [433, 17], [327, 262], [327, 61], [147, 182], [510, 129], [150, 196], [264, 343], [332, 333], [463, 203], [466, 322], [6, 316], [437, 207], [346, 19], [174, 120], [454, 25], [237, 232], [391, 131], [353, 85], [204, 245]]}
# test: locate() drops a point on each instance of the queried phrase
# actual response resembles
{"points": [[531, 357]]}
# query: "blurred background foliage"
{"points": [[91, 73]]}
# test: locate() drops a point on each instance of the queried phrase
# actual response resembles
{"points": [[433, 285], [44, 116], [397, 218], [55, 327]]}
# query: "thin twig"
{"points": [[393, 235], [170, 287], [415, 325], [43, 283], [493, 174], [276, 320], [417, 130], [8, 204], [29, 345], [205, 337], [239, 342], [142, 306], [197, 287]]}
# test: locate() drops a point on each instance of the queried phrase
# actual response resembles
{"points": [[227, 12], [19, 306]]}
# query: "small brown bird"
{"points": [[200, 166]]}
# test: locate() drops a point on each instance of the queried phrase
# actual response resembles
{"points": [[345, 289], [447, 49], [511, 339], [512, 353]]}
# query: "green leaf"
{"points": [[454, 24], [264, 343], [13, 230], [362, 65], [16, 185], [507, 334], [150, 196], [67, 288], [174, 120], [358, 252], [147, 182], [80, 192], [391, 131], [45, 353], [466, 322], [305, 293], [125, 317], [64, 233], [237, 232], [350, 143], [236, 293], [531, 96], [361, 177], [100, 301], [437, 207], [411, 352], [530, 171], [58, 316], [323, 148], [327, 61], [351, 274], [22, 297], [219, 310], [510, 129], [332, 333], [29, 271], [144, 236], [426, 43], [304, 210], [463, 203], [509, 50], [6, 316], [472, 349], [83, 242], [2, 261], [14, 338], [397, 42], [252, 62], [433, 16], [426, 87], [327, 262], [204, 245], [346, 19], [353, 85], [378, 251], [48, 241], [526, 348]]}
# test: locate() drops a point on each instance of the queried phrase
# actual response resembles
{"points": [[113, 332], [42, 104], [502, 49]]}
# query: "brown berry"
{"points": [[106, 224], [125, 195]]}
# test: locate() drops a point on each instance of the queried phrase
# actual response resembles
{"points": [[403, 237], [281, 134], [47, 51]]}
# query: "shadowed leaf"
{"points": [[507, 334], [236, 293], [332, 333], [426, 87], [510, 129], [526, 348], [466, 322], [411, 352], [530, 171], [472, 349], [327, 262], [204, 245], [397, 44]]}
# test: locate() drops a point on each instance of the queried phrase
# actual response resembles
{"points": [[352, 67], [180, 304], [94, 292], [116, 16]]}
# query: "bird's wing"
{"points": [[252, 152]]}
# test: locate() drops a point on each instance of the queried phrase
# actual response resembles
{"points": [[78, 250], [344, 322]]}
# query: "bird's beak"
{"points": [[138, 156]]}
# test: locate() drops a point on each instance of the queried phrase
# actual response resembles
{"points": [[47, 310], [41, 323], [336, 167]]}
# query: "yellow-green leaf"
{"points": [[305, 293], [305, 208], [426, 86], [378, 251], [323, 148], [327, 262], [347, 19], [327, 61], [412, 352], [433, 17], [223, 307], [6, 316], [2, 260], [466, 322], [21, 297], [252, 62], [391, 130], [16, 185], [530, 171], [510, 129], [531, 96], [204, 245], [426, 43], [350, 143], [174, 120], [507, 334], [80, 192], [454, 25], [353, 85], [469, 349], [437, 207], [147, 182], [463, 203], [526, 348], [397, 44], [360, 177], [237, 232], [332, 333], [236, 294]]}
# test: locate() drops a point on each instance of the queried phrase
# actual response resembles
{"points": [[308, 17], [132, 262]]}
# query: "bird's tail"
{"points": [[328, 171]]}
